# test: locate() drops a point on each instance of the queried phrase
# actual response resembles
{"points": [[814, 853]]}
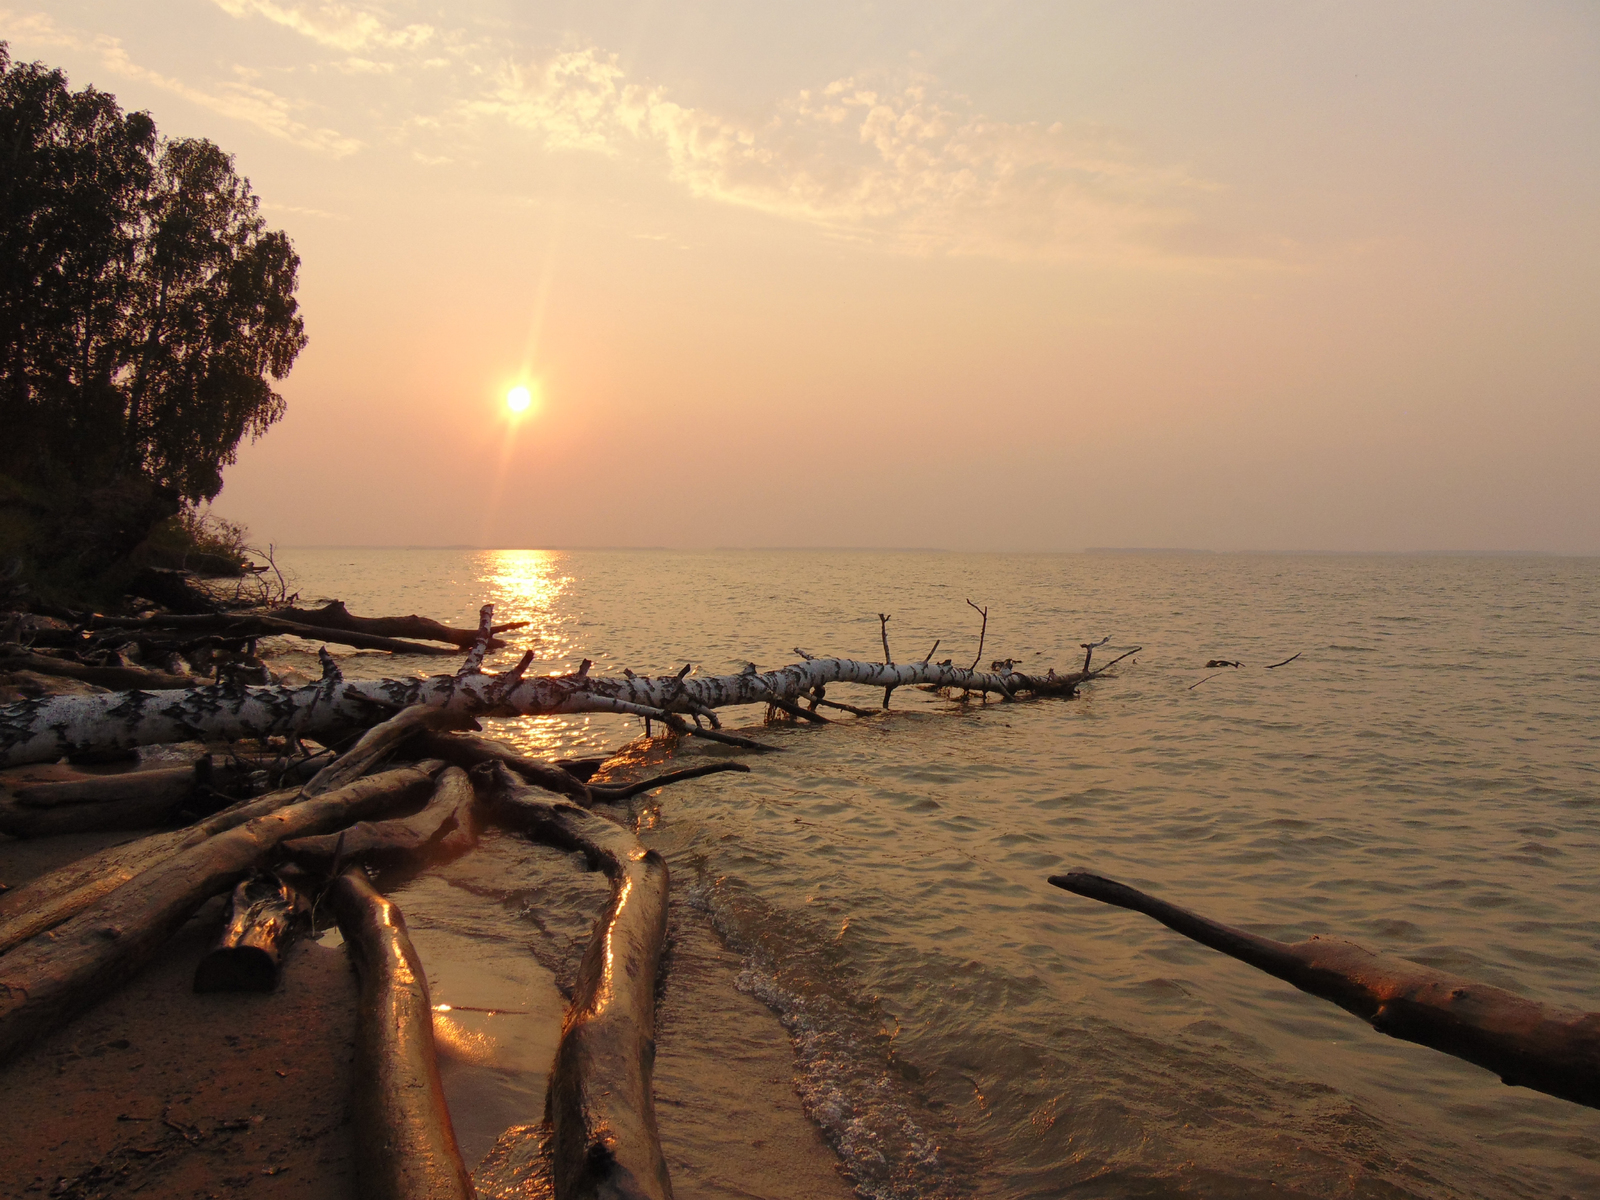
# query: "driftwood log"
{"points": [[405, 1146], [1543, 1047], [446, 827], [48, 979], [45, 729], [334, 615], [243, 627], [263, 917], [379, 742], [132, 800], [603, 1122], [58, 895], [12, 659]]}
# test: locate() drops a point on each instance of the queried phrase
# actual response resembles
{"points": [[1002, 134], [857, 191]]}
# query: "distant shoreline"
{"points": [[1090, 550]]}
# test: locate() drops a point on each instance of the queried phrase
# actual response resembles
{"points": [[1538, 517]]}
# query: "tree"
{"points": [[144, 305]]}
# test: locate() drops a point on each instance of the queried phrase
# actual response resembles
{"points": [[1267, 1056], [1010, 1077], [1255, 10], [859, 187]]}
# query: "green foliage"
{"points": [[144, 305], [197, 541]]}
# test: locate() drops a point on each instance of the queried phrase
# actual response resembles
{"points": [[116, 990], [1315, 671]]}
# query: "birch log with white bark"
{"points": [[45, 729]]}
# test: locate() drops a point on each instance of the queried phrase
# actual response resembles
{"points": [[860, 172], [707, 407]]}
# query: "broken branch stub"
{"points": [[405, 1145], [263, 918], [1549, 1049]]}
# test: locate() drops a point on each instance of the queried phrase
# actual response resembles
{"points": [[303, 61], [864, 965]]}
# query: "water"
{"points": [[1423, 779]]}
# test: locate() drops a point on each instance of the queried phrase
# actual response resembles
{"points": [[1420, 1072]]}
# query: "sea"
{"points": [[871, 989]]}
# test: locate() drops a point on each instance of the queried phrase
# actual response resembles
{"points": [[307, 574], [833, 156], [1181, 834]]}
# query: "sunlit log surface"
{"points": [[444, 828], [55, 896], [45, 729], [600, 1104], [405, 1146], [1538, 1046], [380, 742], [263, 917], [48, 979]]}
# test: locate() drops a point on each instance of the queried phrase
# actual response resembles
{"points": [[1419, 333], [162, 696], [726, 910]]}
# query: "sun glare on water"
{"points": [[518, 399]]}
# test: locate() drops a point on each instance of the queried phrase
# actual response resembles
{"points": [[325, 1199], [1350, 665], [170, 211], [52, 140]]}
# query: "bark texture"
{"points": [[405, 1146], [106, 677], [334, 615], [45, 729], [601, 1108], [45, 902], [133, 800], [1538, 1046], [446, 827], [47, 980]]}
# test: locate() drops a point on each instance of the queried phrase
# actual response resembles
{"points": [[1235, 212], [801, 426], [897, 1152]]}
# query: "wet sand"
{"points": [[162, 1091]]}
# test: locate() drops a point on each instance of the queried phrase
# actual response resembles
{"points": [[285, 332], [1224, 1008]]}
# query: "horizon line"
{"points": [[1087, 550]]}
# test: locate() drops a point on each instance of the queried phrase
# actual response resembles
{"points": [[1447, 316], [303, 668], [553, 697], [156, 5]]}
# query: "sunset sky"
{"points": [[978, 276]]}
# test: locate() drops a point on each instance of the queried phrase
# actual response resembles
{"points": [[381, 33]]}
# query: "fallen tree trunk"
{"points": [[263, 916], [469, 751], [1549, 1049], [107, 677], [382, 740], [443, 829], [601, 1109], [43, 730], [245, 626], [405, 1146], [49, 979], [133, 800], [334, 615], [58, 895]]}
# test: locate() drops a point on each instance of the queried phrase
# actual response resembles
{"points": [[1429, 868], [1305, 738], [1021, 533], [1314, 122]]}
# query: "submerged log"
{"points": [[613, 792], [43, 730], [445, 828], [1543, 1047], [263, 918], [601, 1108], [405, 1146], [49, 979]]}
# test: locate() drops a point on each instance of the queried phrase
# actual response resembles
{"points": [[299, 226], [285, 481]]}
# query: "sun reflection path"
{"points": [[528, 585]]}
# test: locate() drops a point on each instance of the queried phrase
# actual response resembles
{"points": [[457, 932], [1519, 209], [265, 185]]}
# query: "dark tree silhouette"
{"points": [[144, 305]]}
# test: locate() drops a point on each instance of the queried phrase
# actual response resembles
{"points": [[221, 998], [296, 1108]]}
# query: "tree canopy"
{"points": [[145, 308]]}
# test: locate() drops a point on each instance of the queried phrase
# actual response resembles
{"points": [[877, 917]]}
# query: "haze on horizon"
{"points": [[977, 276]]}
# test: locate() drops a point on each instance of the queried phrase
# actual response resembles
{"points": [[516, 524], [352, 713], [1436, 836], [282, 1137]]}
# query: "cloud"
{"points": [[893, 161], [337, 25], [239, 99]]}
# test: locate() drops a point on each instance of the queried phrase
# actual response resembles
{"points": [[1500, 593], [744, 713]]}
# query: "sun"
{"points": [[518, 399]]}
